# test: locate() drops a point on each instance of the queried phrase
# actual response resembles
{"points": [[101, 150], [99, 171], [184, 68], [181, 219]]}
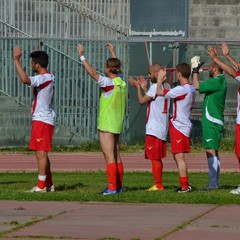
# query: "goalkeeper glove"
{"points": [[196, 69]]}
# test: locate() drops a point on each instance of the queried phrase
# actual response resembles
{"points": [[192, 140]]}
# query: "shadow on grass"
{"points": [[11, 182], [228, 187], [171, 187], [65, 187]]}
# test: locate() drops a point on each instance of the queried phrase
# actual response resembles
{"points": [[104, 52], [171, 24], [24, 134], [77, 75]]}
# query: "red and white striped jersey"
{"points": [[106, 84], [183, 99], [43, 94], [157, 114], [237, 78]]}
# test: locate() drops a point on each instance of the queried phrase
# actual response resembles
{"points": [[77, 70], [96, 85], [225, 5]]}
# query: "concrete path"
{"points": [[95, 161], [67, 220], [90, 221]]}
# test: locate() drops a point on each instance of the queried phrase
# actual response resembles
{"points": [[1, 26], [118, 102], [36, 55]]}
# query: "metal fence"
{"points": [[55, 26], [69, 19], [77, 95]]}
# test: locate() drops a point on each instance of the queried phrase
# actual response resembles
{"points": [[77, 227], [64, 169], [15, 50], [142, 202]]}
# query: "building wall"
{"points": [[214, 19]]}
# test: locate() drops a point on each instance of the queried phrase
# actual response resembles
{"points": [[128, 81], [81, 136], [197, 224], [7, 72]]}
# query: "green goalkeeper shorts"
{"points": [[211, 138]]}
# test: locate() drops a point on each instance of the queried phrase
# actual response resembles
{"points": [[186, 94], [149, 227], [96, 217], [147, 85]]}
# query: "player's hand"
{"points": [[195, 61], [134, 83], [196, 64], [17, 53], [196, 69], [225, 49], [80, 49], [143, 82], [212, 52], [111, 50], [161, 75], [110, 47]]}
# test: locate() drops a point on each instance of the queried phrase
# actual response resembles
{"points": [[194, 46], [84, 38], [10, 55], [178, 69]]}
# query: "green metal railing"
{"points": [[76, 94]]}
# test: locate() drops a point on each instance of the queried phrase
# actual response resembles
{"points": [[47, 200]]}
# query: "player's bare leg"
{"points": [[107, 141], [183, 174], [42, 157], [43, 164], [181, 163], [107, 145]]}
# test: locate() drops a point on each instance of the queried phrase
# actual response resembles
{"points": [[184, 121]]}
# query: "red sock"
{"points": [[112, 176], [42, 181], [183, 182], [120, 171], [49, 181], [157, 168], [41, 184]]}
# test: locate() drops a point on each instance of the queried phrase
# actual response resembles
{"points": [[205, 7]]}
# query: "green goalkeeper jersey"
{"points": [[215, 89]]}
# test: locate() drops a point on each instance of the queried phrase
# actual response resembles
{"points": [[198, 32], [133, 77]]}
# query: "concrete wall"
{"points": [[213, 19]]}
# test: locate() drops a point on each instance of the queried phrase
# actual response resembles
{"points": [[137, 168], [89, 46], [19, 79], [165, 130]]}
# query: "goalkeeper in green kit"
{"points": [[215, 89]]}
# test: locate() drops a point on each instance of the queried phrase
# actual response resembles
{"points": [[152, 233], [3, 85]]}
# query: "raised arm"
{"points": [[17, 53], [112, 50], [231, 60], [91, 71], [196, 65], [225, 67], [161, 77], [195, 81]]}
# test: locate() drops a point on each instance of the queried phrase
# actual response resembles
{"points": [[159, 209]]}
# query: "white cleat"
{"points": [[235, 191], [51, 189], [36, 189]]}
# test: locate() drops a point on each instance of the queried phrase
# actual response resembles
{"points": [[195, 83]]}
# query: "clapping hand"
{"points": [[134, 83]]}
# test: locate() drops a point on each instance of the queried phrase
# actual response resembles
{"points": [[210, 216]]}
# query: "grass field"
{"points": [[85, 186]]}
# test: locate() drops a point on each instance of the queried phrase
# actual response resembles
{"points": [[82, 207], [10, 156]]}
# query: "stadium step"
{"points": [[94, 16]]}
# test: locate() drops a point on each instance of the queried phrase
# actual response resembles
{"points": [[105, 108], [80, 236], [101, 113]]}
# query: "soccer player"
{"points": [[214, 88], [157, 122], [43, 115], [110, 119], [233, 71], [180, 125]]}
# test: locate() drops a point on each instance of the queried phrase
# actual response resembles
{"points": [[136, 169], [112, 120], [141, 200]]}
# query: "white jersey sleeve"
{"points": [[152, 91], [237, 78], [177, 92], [106, 84]]}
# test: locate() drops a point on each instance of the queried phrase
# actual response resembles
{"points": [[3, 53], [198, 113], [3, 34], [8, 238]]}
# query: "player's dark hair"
{"points": [[184, 69], [40, 57], [114, 65]]}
